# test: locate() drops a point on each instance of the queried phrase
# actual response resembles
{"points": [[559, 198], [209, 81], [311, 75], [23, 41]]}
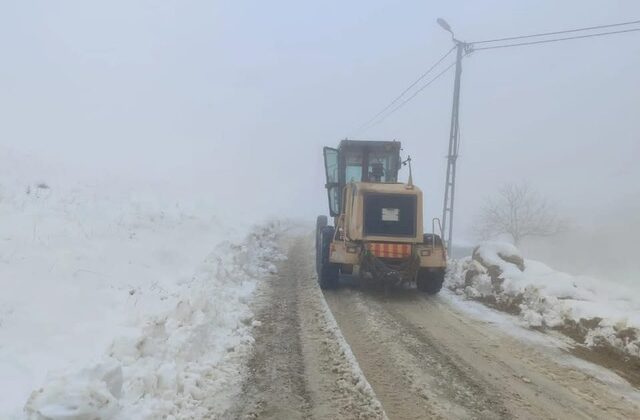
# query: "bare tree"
{"points": [[517, 211]]}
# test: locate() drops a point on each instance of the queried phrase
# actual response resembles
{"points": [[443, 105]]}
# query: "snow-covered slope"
{"points": [[594, 312], [115, 304]]}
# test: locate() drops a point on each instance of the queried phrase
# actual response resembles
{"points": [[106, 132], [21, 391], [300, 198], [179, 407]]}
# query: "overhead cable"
{"points": [[545, 41], [422, 76], [403, 103], [557, 32]]}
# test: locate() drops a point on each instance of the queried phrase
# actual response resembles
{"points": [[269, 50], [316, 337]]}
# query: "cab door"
{"points": [[331, 166]]}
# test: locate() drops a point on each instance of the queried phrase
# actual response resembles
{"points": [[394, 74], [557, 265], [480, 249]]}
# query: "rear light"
{"points": [[351, 249]]}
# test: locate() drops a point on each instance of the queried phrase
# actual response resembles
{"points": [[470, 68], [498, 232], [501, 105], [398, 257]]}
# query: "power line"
{"points": [[385, 113], [422, 76], [556, 39], [557, 32], [403, 103]]}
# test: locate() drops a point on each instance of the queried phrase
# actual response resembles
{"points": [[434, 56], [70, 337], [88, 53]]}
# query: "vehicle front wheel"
{"points": [[328, 273], [321, 223]]}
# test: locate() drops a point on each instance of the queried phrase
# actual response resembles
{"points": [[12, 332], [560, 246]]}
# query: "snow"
{"points": [[178, 357], [118, 304], [546, 298], [490, 251]]}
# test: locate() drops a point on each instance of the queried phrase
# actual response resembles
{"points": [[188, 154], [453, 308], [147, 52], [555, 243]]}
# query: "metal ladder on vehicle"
{"points": [[436, 221]]}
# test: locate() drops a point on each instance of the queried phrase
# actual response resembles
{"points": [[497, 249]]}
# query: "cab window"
{"points": [[353, 167]]}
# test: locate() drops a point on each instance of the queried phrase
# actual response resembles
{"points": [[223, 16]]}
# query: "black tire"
{"points": [[430, 280], [321, 223], [328, 273]]}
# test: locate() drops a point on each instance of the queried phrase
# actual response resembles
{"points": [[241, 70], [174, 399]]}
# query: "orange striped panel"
{"points": [[389, 250]]}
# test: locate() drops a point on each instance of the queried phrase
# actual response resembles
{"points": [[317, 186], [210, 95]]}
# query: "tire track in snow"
{"points": [[301, 366]]}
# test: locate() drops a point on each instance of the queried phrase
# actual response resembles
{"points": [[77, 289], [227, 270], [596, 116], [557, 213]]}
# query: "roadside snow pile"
{"points": [[119, 305], [592, 312], [183, 362]]}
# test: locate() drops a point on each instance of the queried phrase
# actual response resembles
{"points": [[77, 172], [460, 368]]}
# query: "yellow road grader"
{"points": [[377, 233]]}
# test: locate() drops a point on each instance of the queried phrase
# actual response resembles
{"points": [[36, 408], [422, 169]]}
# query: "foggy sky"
{"points": [[236, 99]]}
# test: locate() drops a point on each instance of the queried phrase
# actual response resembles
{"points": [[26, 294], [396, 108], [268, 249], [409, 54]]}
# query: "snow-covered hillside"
{"points": [[118, 304], [595, 313]]}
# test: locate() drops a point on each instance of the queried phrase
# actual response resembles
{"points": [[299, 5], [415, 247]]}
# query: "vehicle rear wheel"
{"points": [[328, 273], [430, 280], [321, 223]]}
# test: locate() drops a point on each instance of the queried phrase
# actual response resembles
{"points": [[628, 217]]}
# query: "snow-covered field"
{"points": [[120, 305], [594, 312]]}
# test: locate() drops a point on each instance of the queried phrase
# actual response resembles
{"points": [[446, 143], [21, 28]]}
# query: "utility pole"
{"points": [[454, 141]]}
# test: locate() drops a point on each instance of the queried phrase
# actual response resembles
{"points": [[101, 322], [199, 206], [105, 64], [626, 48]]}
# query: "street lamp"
{"points": [[443, 23]]}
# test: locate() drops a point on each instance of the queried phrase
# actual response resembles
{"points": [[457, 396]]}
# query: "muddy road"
{"points": [[361, 354]]}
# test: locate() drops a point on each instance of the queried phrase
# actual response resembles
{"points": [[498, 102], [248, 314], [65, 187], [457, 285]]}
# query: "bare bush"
{"points": [[517, 211]]}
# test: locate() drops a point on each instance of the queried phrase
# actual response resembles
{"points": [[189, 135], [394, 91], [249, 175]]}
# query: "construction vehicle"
{"points": [[377, 233]]}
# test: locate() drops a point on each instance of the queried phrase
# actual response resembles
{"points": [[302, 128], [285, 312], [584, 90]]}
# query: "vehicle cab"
{"points": [[359, 161]]}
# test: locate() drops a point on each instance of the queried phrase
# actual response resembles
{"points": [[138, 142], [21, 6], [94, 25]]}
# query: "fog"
{"points": [[233, 101]]}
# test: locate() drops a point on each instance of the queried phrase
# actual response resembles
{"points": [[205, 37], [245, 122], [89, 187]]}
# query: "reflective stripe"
{"points": [[389, 250]]}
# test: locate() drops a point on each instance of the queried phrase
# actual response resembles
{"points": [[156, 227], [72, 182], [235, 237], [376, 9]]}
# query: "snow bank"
{"points": [[182, 362], [119, 305], [594, 313]]}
